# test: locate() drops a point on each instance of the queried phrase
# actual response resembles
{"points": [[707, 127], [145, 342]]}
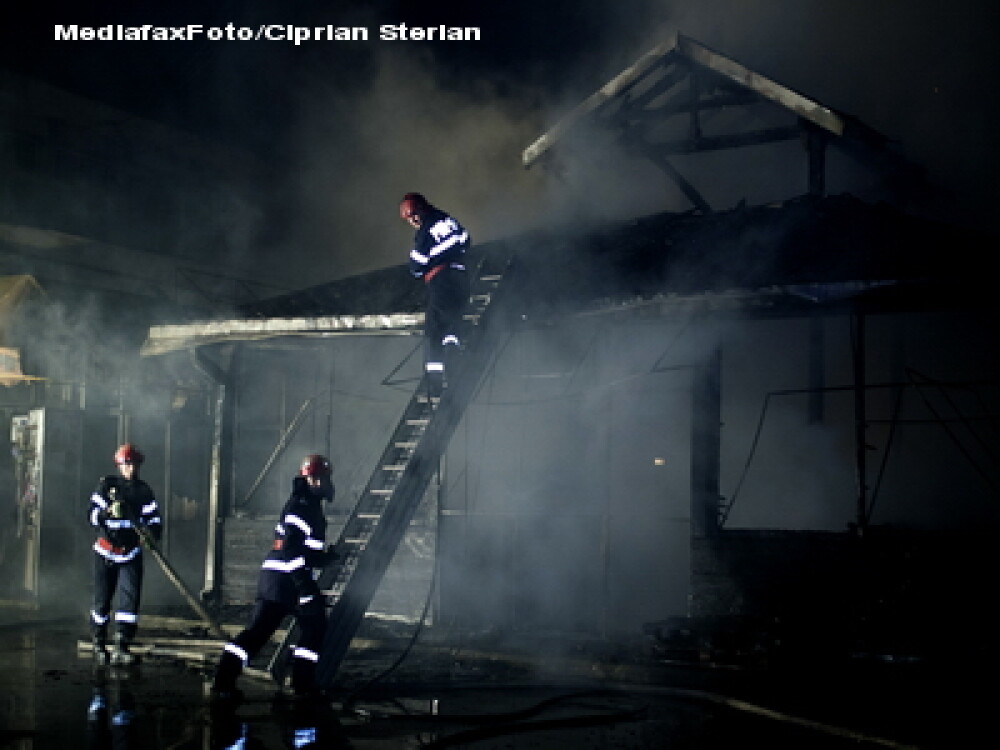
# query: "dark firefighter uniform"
{"points": [[115, 506], [439, 247], [286, 585]]}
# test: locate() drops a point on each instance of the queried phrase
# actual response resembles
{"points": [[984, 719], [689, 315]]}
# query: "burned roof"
{"points": [[806, 241], [815, 249], [776, 259], [683, 98]]}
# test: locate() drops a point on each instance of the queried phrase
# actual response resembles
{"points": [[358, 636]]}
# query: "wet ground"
{"points": [[480, 696]]}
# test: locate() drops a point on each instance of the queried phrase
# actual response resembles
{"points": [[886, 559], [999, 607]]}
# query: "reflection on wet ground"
{"points": [[53, 696]]}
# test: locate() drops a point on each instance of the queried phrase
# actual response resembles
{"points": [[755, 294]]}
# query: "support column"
{"points": [[860, 415], [220, 478], [706, 439], [816, 150]]}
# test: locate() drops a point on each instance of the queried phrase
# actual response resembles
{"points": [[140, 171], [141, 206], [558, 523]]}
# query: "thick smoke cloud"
{"points": [[452, 122], [356, 157]]}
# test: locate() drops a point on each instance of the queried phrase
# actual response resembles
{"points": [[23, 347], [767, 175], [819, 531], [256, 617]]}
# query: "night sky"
{"points": [[351, 125]]}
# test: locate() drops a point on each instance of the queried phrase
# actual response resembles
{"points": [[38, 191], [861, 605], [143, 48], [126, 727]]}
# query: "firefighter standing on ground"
{"points": [[116, 506], [439, 245], [286, 585]]}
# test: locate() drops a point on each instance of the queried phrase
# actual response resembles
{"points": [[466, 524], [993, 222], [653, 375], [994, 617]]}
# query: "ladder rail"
{"points": [[375, 527]]}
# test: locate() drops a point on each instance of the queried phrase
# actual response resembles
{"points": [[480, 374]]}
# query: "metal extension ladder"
{"points": [[375, 527]]}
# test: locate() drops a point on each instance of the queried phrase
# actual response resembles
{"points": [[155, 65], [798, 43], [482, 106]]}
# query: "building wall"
{"points": [[569, 503], [566, 499], [929, 411], [564, 504], [790, 564]]}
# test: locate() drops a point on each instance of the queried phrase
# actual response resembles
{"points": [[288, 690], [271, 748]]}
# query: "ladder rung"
{"points": [[406, 444], [363, 529], [419, 422]]}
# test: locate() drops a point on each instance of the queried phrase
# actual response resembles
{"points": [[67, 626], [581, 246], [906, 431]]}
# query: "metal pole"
{"points": [[214, 499], [215, 511], [706, 421], [860, 409], [168, 503], [279, 448], [150, 544], [816, 150]]}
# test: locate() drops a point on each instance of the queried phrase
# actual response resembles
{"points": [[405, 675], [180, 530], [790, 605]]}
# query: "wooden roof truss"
{"points": [[683, 98]]}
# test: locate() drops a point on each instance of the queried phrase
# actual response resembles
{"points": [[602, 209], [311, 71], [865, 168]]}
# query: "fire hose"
{"points": [[150, 543]]}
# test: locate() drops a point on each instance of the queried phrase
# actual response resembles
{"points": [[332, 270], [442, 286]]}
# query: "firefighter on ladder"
{"points": [[286, 585], [439, 245], [117, 505]]}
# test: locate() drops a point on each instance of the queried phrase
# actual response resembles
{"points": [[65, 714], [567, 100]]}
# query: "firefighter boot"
{"points": [[100, 650], [97, 711], [224, 695], [121, 656], [435, 384], [100, 641]]}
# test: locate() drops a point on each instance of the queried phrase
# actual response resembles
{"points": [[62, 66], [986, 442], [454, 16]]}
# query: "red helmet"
{"points": [[412, 205], [315, 465], [128, 454]]}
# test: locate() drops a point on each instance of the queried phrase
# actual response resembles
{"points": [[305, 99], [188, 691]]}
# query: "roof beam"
{"points": [[683, 50], [170, 338], [659, 55], [682, 104], [803, 106]]}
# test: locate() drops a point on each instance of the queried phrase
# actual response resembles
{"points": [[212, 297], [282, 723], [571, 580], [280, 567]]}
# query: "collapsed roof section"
{"points": [[662, 105]]}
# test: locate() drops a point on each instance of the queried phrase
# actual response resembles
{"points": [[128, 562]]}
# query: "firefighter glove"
{"points": [[108, 483]]}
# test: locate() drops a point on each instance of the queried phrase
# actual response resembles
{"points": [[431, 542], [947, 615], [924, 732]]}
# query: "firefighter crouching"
{"points": [[286, 585], [117, 505]]}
